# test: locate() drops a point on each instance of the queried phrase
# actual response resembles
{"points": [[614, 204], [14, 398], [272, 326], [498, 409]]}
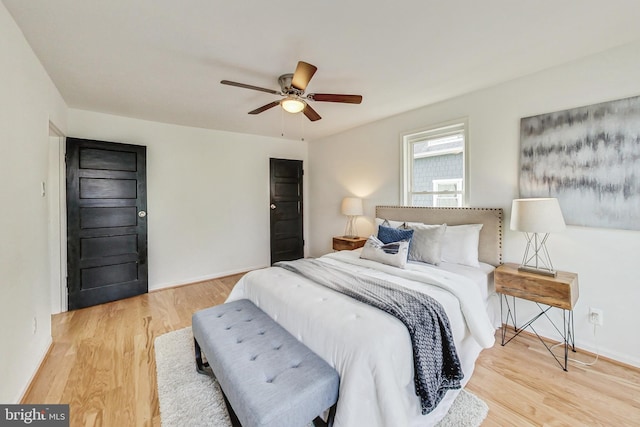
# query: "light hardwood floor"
{"points": [[102, 364]]}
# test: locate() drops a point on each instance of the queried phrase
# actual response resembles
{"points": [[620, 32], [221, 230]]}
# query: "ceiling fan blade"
{"points": [[303, 74], [311, 113], [332, 97], [265, 107], [245, 86]]}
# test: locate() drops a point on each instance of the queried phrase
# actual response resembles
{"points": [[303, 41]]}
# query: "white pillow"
{"points": [[394, 254], [389, 223], [460, 244], [426, 243], [413, 224]]}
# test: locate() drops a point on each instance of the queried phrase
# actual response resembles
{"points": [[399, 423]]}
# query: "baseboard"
{"points": [[196, 279], [35, 371], [610, 356]]}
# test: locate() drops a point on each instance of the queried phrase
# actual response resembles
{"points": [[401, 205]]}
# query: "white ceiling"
{"points": [[163, 60]]}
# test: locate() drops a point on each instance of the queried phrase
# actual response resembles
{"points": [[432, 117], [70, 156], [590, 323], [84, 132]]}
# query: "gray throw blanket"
{"points": [[436, 364]]}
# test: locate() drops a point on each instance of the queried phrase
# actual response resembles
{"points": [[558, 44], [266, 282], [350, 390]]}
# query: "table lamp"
{"points": [[537, 218]]}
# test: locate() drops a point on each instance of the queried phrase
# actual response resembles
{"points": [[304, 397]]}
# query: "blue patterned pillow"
{"points": [[390, 235]]}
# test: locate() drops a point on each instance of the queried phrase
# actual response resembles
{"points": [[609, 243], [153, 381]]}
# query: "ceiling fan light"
{"points": [[292, 104]]}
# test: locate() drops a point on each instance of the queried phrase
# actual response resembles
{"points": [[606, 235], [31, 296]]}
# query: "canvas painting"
{"points": [[589, 159]]}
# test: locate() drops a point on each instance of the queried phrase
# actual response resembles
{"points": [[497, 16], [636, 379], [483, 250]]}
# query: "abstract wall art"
{"points": [[589, 159]]}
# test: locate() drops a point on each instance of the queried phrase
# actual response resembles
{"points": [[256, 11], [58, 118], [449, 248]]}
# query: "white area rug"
{"points": [[188, 398]]}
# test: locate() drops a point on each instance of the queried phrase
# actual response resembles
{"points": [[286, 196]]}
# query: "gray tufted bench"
{"points": [[268, 378]]}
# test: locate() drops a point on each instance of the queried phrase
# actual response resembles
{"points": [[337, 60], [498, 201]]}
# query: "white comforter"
{"points": [[370, 349]]}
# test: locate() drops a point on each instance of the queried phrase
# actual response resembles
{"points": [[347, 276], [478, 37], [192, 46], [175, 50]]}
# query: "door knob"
{"points": [[272, 206], [142, 214]]}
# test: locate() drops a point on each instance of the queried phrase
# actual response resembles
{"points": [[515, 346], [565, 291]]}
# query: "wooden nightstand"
{"points": [[347, 243], [560, 292]]}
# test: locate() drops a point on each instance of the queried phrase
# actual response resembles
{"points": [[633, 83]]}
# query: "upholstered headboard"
{"points": [[490, 246]]}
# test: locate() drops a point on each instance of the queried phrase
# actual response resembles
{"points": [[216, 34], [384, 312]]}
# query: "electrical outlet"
{"points": [[596, 316]]}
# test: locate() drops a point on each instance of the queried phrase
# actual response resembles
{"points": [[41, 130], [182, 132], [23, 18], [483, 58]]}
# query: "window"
{"points": [[434, 166]]}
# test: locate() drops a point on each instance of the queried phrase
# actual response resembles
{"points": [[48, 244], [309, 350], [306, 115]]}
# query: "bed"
{"points": [[372, 350]]}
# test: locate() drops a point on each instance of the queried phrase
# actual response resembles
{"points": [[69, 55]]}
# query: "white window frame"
{"points": [[407, 139]]}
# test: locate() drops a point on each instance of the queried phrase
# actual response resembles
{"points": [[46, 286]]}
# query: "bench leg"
{"points": [[235, 422], [201, 367], [319, 422]]}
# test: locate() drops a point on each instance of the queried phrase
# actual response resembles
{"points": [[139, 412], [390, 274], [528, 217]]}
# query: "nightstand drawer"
{"points": [[348, 243], [560, 291]]}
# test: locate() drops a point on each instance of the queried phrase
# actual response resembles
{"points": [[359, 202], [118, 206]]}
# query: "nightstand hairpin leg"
{"points": [[567, 332], [511, 313]]}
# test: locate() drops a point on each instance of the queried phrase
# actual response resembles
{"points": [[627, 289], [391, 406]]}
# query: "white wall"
{"points": [[207, 192], [365, 162], [28, 101]]}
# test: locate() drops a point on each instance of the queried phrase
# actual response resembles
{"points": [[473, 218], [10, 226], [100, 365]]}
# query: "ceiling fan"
{"points": [[292, 87]]}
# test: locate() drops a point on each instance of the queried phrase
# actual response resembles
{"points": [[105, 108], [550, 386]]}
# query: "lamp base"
{"points": [[543, 272], [536, 258], [350, 230]]}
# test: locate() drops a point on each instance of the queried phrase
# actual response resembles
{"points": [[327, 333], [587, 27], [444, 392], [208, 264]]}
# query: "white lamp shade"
{"points": [[351, 206], [537, 215]]}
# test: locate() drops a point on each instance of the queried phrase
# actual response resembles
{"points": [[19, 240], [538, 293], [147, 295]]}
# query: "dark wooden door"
{"points": [[287, 239], [106, 221]]}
